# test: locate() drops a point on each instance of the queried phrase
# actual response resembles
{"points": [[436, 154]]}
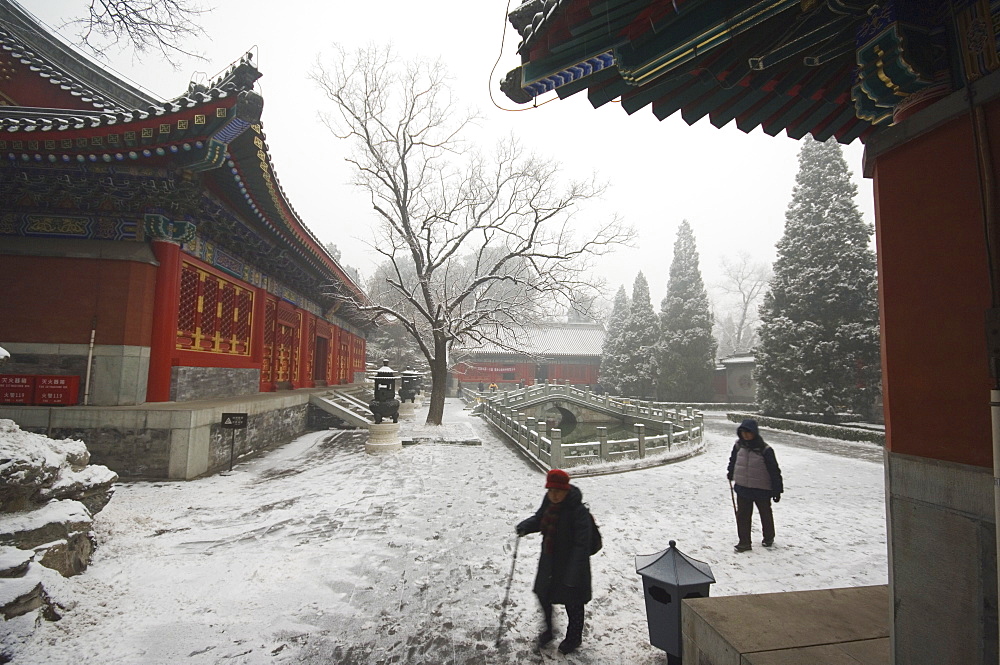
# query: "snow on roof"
{"points": [[548, 339], [738, 359]]}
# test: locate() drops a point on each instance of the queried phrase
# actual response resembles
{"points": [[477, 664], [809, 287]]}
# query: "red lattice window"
{"points": [[267, 364], [310, 348], [215, 314], [243, 315], [227, 320], [209, 312], [187, 315]]}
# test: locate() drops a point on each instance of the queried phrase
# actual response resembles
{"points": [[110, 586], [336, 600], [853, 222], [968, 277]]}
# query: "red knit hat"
{"points": [[557, 479]]}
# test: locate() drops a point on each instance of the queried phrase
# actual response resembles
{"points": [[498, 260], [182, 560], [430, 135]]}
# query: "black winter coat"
{"points": [[563, 577]]}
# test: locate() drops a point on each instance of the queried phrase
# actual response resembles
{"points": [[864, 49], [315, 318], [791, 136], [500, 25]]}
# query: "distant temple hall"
{"points": [[565, 353]]}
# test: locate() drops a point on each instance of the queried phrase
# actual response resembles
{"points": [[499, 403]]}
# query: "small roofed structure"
{"points": [[737, 372]]}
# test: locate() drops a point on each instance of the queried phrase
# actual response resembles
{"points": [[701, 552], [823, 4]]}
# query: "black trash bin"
{"points": [[668, 577]]}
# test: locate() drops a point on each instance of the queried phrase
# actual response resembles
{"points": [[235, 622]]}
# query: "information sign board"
{"points": [[234, 421]]}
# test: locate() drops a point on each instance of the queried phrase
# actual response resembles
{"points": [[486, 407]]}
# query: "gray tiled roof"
{"points": [[549, 340]]}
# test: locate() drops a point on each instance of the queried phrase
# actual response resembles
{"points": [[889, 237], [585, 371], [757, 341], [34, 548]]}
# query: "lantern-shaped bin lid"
{"points": [[671, 566]]}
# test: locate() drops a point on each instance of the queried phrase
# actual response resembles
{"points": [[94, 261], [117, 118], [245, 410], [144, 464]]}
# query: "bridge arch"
{"points": [[558, 416]]}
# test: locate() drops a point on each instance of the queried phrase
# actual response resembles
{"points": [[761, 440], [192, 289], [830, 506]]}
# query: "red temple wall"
{"points": [[489, 372], [57, 300], [934, 292], [266, 332]]}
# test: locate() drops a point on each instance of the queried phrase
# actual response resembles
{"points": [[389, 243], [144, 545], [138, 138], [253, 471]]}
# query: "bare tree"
{"points": [[743, 284], [147, 25], [478, 245]]}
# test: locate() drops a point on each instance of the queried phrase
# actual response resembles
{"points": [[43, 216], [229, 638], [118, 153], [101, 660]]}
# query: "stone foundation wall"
{"points": [[942, 561], [264, 430], [170, 440], [191, 383], [131, 452]]}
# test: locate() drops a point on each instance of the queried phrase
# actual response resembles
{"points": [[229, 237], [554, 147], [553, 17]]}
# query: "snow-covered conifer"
{"points": [[638, 343], [819, 338], [686, 350], [612, 358]]}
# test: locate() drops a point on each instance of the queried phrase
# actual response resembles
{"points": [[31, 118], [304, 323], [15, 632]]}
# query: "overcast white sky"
{"points": [[732, 187]]}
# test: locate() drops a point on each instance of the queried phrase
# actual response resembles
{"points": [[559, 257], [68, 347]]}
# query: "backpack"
{"points": [[596, 542]]}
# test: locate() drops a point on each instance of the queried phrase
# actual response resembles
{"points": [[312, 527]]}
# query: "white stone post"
{"points": [[556, 451], [640, 433], [602, 438], [670, 434], [532, 434]]}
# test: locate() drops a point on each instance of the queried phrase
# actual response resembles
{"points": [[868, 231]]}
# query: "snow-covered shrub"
{"points": [[815, 429]]}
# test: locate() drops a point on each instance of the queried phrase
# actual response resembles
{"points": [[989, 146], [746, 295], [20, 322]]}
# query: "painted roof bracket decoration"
{"points": [[161, 227], [246, 113], [896, 59], [832, 68]]}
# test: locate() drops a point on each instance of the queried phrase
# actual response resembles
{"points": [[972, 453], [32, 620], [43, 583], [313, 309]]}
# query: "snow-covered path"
{"points": [[318, 553]]}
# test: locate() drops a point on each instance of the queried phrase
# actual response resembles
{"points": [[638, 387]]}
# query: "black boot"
{"points": [[546, 635], [574, 633]]}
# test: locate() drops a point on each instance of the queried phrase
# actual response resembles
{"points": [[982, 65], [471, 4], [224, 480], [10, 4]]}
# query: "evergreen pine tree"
{"points": [[819, 338], [612, 359], [686, 350], [638, 343]]}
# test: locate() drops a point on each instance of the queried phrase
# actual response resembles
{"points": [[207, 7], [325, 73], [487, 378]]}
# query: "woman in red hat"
{"points": [[563, 576]]}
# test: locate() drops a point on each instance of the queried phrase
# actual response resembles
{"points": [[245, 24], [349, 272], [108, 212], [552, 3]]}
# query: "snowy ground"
{"points": [[318, 553]]}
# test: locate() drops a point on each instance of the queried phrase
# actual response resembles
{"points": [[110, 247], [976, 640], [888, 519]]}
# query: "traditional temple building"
{"points": [[565, 353], [149, 256], [919, 82]]}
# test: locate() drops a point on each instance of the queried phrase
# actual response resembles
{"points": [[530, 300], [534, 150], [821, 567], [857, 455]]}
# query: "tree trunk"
{"points": [[439, 382]]}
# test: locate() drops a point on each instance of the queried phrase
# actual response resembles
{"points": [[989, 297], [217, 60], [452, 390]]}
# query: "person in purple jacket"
{"points": [[753, 468]]}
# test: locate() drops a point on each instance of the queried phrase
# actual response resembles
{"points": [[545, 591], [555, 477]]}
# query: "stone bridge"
{"points": [[564, 406]]}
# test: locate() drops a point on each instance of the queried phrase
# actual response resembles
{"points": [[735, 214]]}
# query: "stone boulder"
{"points": [[48, 497], [35, 469], [59, 533]]}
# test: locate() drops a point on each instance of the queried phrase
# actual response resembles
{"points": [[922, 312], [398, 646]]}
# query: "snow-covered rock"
{"points": [[48, 497], [35, 469]]}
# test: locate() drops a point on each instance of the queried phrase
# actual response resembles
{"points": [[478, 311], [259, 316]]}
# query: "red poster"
{"points": [[57, 390], [17, 388]]}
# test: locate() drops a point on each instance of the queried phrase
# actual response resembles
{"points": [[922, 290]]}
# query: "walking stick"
{"points": [[732, 495], [506, 596]]}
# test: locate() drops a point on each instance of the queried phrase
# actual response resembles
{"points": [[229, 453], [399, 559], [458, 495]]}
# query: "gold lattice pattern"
{"points": [[266, 375], [215, 314]]}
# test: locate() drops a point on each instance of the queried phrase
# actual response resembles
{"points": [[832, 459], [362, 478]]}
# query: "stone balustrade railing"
{"points": [[682, 437], [622, 407]]}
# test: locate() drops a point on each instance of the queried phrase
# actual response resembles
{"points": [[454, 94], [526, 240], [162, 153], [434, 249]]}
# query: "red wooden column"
{"points": [[166, 235]]}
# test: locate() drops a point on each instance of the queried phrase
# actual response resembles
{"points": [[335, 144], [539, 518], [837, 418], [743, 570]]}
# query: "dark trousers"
{"points": [[744, 515], [575, 615]]}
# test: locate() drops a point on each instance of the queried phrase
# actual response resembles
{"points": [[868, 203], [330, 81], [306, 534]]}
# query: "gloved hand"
{"points": [[777, 498], [520, 531], [729, 476]]}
